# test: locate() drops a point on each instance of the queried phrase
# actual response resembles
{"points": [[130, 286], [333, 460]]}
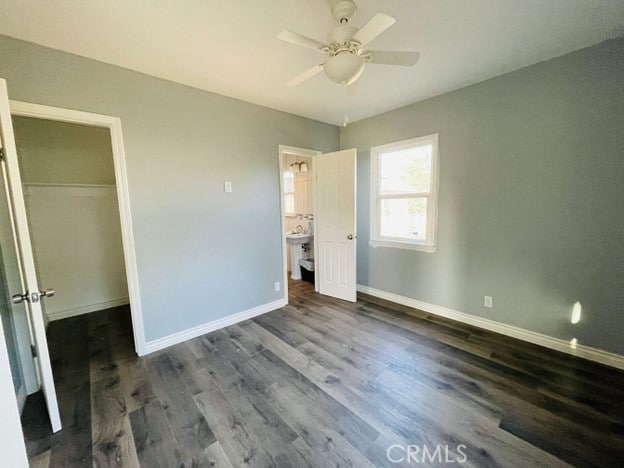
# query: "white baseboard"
{"points": [[21, 398], [61, 314], [185, 335], [587, 352]]}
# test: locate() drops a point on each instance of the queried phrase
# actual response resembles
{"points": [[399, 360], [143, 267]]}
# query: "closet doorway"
{"points": [[91, 174], [68, 179], [68, 190]]}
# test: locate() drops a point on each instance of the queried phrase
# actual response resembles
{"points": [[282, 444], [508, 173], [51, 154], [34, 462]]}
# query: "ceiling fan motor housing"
{"points": [[341, 34], [344, 48], [344, 11]]}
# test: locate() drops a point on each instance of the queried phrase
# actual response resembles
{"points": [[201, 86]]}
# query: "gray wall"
{"points": [[531, 198], [197, 247], [63, 153]]}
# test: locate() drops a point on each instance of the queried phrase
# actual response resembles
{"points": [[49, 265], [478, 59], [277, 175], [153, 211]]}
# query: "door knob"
{"points": [[19, 298], [32, 297], [351, 237]]}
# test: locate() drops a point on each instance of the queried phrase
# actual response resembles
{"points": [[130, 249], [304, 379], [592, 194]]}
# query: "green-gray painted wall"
{"points": [[202, 254], [531, 201], [531, 197], [52, 152]]}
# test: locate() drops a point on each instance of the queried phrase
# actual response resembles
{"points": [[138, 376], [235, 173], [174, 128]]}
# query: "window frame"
{"points": [[376, 240], [289, 194]]}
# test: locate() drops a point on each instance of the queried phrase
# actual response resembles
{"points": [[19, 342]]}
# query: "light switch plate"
{"points": [[227, 186]]}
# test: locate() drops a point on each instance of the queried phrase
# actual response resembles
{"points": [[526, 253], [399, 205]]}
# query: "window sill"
{"points": [[403, 245]]}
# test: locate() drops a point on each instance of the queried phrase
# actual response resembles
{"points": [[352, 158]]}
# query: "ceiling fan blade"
{"points": [[375, 26], [298, 39], [353, 89], [384, 57], [305, 75]]}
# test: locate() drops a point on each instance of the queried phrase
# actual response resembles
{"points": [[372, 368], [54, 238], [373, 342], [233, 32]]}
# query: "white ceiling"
{"points": [[229, 46]]}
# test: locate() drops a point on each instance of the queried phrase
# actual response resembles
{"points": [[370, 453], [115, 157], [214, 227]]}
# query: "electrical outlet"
{"points": [[488, 301], [277, 286]]}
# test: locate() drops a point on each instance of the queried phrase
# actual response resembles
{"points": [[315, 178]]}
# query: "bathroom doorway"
{"points": [[297, 190], [318, 210]]}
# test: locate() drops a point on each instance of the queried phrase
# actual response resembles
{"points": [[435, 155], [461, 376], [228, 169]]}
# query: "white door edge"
{"points": [[30, 287]]}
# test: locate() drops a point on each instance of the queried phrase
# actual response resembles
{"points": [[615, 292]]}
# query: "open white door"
{"points": [[335, 223], [28, 299]]}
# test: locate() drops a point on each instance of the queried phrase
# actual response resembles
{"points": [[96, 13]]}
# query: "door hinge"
{"points": [[33, 350], [1, 154]]}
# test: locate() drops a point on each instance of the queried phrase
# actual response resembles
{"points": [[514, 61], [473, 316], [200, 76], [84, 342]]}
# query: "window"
{"points": [[404, 194], [289, 193]]}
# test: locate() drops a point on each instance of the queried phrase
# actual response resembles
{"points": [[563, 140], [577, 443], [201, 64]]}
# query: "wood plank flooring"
{"points": [[320, 383]]}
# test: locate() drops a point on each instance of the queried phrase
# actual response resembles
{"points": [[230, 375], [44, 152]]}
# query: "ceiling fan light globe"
{"points": [[344, 68]]}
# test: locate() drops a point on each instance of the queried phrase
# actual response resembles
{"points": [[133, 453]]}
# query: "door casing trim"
{"points": [[26, 109], [283, 149]]}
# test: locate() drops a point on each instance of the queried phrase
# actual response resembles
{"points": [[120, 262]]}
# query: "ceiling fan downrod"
{"points": [[344, 11]]}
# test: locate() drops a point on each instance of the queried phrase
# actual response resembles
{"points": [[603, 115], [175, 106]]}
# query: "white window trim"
{"points": [[288, 213], [429, 245]]}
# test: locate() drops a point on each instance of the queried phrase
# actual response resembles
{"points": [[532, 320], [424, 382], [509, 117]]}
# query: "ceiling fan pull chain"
{"points": [[345, 122]]}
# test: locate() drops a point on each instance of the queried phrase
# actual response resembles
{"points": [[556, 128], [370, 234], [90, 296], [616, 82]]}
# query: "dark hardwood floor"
{"points": [[323, 382]]}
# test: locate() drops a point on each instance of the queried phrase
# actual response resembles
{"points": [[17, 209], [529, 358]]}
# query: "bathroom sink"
{"points": [[296, 242], [293, 239]]}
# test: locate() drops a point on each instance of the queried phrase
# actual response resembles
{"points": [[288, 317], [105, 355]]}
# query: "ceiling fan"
{"points": [[345, 52]]}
